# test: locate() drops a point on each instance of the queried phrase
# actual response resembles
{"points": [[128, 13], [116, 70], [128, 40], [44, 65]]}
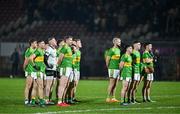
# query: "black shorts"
{"points": [[50, 73]]}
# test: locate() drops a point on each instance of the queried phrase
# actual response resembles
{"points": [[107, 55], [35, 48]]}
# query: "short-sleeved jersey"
{"points": [[146, 55], [114, 54], [39, 59], [67, 59], [127, 68], [76, 60], [58, 51], [136, 56], [29, 68]]}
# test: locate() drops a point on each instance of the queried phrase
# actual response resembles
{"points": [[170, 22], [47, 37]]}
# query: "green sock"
{"points": [[33, 100], [113, 97], [125, 99], [70, 99], [108, 96], [41, 101], [122, 100]]}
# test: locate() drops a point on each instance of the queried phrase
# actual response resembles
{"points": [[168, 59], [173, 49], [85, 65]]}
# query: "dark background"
{"points": [[95, 22]]}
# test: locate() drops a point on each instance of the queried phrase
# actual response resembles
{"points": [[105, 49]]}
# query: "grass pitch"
{"points": [[92, 93]]}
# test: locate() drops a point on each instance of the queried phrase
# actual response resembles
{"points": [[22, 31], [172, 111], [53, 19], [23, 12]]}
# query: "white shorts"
{"points": [[128, 79], [65, 71], [113, 73], [137, 77], [71, 77], [28, 74], [39, 75], [49, 77], [76, 75], [150, 77]]}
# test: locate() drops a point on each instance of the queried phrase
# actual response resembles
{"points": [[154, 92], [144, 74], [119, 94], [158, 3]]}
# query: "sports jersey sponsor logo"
{"points": [[127, 64], [68, 55], [137, 60], [39, 59], [115, 57]]}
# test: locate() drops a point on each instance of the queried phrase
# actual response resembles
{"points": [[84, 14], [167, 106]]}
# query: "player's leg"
{"points": [[49, 83], [61, 89], [76, 82], [57, 85], [71, 92], [146, 82], [40, 86], [52, 85], [113, 79], [114, 91], [150, 78], [130, 90], [70, 75], [110, 89], [63, 81], [68, 98], [134, 89], [133, 92], [124, 91], [34, 92], [51, 89], [148, 91], [65, 95], [28, 88]]}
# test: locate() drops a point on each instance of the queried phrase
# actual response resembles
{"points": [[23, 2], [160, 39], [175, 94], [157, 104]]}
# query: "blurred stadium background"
{"points": [[95, 22]]}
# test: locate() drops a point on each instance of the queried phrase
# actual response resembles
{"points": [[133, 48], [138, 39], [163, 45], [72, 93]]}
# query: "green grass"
{"points": [[92, 93]]}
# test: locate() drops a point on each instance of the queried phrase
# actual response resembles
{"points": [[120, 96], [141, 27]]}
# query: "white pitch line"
{"points": [[110, 109], [161, 96]]}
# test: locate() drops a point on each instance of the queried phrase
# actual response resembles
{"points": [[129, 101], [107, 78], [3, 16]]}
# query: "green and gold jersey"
{"points": [[114, 54], [29, 68], [58, 51], [67, 59], [39, 59], [76, 60], [146, 55], [136, 56], [127, 68]]}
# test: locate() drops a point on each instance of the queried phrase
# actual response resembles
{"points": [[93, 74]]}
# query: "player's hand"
{"points": [[36, 67], [50, 66], [24, 67]]}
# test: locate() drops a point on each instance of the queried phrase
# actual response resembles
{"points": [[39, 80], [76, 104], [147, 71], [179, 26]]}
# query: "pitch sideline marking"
{"points": [[110, 109], [137, 96]]}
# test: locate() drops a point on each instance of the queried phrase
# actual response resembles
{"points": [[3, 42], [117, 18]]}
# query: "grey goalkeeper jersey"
{"points": [[52, 59]]}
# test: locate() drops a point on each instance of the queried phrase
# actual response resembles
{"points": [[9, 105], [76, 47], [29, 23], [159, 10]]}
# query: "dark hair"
{"points": [[147, 43], [31, 41], [77, 40], [124, 47], [60, 40], [40, 41], [127, 46], [51, 38], [67, 37], [136, 41]]}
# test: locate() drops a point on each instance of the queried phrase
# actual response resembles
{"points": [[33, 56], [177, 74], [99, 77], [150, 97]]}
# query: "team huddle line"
{"points": [[131, 67], [44, 65]]}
